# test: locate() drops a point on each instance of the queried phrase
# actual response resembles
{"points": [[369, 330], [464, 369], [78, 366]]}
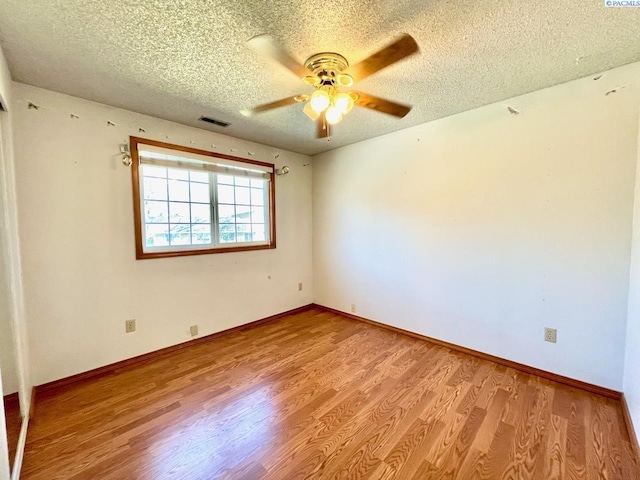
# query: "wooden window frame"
{"points": [[137, 213]]}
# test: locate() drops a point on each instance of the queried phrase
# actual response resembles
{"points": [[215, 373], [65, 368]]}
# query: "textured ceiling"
{"points": [[179, 60]]}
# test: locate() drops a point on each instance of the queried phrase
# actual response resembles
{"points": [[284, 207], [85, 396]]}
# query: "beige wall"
{"points": [[81, 278], [483, 228], [8, 369], [632, 360], [10, 382]]}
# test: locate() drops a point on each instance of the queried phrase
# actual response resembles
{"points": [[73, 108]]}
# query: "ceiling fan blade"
{"points": [[265, 45], [399, 49], [324, 129], [269, 106], [381, 105]]}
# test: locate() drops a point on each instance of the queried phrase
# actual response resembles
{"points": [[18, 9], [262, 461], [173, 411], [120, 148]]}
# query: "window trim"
{"points": [[190, 250]]}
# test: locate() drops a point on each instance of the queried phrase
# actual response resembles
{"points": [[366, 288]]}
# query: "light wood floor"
{"points": [[315, 395]]}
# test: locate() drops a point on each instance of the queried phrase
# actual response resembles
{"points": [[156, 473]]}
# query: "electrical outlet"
{"points": [[550, 335], [300, 286], [353, 308], [194, 330], [130, 325]]}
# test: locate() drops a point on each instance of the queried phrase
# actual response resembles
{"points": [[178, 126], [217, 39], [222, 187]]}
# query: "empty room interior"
{"points": [[316, 240]]}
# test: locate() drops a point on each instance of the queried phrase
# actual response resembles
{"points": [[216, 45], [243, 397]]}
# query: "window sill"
{"points": [[140, 255]]}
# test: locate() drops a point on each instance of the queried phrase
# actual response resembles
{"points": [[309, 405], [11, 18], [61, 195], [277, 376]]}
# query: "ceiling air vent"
{"points": [[214, 121]]}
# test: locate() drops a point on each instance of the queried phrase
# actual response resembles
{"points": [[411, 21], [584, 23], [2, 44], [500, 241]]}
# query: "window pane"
{"points": [[243, 214], [199, 176], [257, 196], [155, 212], [257, 214], [225, 193], [227, 228], [155, 188], [258, 233], [243, 196], [178, 191], [226, 213], [227, 233], [200, 192], [178, 174], [201, 234], [180, 235], [151, 171], [200, 213], [156, 235], [179, 212], [243, 233]]}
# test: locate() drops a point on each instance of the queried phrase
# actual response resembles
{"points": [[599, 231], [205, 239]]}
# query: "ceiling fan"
{"points": [[330, 74]]}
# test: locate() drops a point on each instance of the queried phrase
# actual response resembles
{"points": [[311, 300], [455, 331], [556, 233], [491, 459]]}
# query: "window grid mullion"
{"points": [[215, 220], [235, 211], [265, 218], [190, 216], [166, 176]]}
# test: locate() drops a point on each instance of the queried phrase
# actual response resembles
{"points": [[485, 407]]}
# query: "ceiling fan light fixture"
{"points": [[310, 112], [333, 115], [343, 102], [311, 80], [327, 73], [345, 80], [320, 100]]}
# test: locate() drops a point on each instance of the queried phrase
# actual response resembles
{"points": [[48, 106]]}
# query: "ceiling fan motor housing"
{"points": [[327, 68]]}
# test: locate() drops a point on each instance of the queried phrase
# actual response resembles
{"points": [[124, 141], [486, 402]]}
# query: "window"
{"points": [[189, 202]]}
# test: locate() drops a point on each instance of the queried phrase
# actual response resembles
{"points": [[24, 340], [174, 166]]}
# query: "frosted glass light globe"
{"points": [[319, 101], [343, 102], [333, 115]]}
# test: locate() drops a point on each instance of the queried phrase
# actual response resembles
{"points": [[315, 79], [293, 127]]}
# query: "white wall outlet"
{"points": [[193, 330], [300, 286], [550, 334], [353, 308], [130, 325]]}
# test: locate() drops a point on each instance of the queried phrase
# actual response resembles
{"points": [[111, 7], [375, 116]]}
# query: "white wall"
{"points": [[12, 293], [7, 350], [81, 278], [8, 369], [483, 228], [632, 360], [10, 382]]}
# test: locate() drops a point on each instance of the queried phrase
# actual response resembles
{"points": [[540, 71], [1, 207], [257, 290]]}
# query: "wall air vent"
{"points": [[214, 121]]}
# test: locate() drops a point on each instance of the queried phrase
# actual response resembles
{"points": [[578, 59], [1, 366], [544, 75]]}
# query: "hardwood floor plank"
{"points": [[555, 468], [491, 421], [13, 423], [407, 457], [530, 440], [315, 395], [455, 456]]}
